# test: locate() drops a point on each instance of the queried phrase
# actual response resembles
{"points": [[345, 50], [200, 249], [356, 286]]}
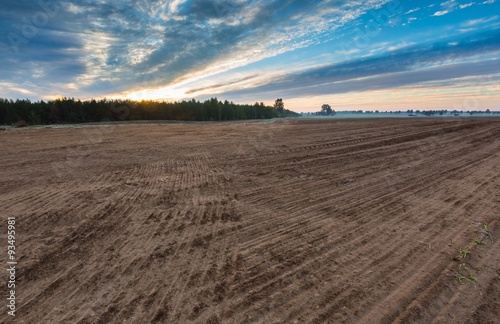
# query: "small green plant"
{"points": [[461, 278], [463, 253], [478, 242], [471, 278], [464, 267]]}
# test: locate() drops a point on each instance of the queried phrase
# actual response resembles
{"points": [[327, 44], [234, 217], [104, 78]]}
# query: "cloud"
{"points": [[450, 4], [442, 74], [466, 5], [411, 11], [448, 7], [217, 86], [417, 63], [441, 13], [153, 43], [479, 21], [220, 9], [174, 6], [223, 35]]}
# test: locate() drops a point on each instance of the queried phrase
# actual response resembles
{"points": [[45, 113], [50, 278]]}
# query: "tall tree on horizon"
{"points": [[279, 106], [326, 110]]}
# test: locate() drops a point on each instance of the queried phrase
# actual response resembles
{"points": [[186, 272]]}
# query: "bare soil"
{"points": [[294, 221]]}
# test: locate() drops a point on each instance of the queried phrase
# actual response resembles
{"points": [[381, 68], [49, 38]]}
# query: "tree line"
{"points": [[71, 110], [326, 110]]}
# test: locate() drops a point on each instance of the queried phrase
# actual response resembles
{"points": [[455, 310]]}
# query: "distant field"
{"points": [[302, 220], [402, 115]]}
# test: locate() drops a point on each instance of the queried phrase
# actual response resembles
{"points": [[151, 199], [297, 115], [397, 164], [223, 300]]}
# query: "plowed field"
{"points": [[292, 221]]}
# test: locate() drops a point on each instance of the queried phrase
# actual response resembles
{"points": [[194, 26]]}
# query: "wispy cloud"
{"points": [[450, 4], [406, 65], [441, 13], [267, 34], [466, 5], [448, 7], [396, 80], [479, 21], [153, 43], [222, 85], [412, 11]]}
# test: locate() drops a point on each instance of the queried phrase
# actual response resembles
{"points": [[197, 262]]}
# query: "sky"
{"points": [[372, 54]]}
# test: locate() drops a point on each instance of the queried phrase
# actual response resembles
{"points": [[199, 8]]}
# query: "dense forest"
{"points": [[70, 110]]}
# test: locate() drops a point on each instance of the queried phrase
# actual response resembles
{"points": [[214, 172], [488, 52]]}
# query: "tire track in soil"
{"points": [[285, 240], [289, 217], [329, 232]]}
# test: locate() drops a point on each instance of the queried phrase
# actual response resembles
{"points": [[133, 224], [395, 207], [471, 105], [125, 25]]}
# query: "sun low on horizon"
{"points": [[375, 54]]}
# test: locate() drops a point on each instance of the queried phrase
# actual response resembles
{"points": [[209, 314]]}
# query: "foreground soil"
{"points": [[293, 221]]}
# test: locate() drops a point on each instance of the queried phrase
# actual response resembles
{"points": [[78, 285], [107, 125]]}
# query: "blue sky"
{"points": [[374, 54]]}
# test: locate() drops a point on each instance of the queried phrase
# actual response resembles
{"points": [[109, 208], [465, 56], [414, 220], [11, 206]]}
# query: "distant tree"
{"points": [[326, 110], [279, 106]]}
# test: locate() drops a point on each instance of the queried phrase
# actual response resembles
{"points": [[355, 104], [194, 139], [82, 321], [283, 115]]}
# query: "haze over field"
{"points": [[374, 54]]}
